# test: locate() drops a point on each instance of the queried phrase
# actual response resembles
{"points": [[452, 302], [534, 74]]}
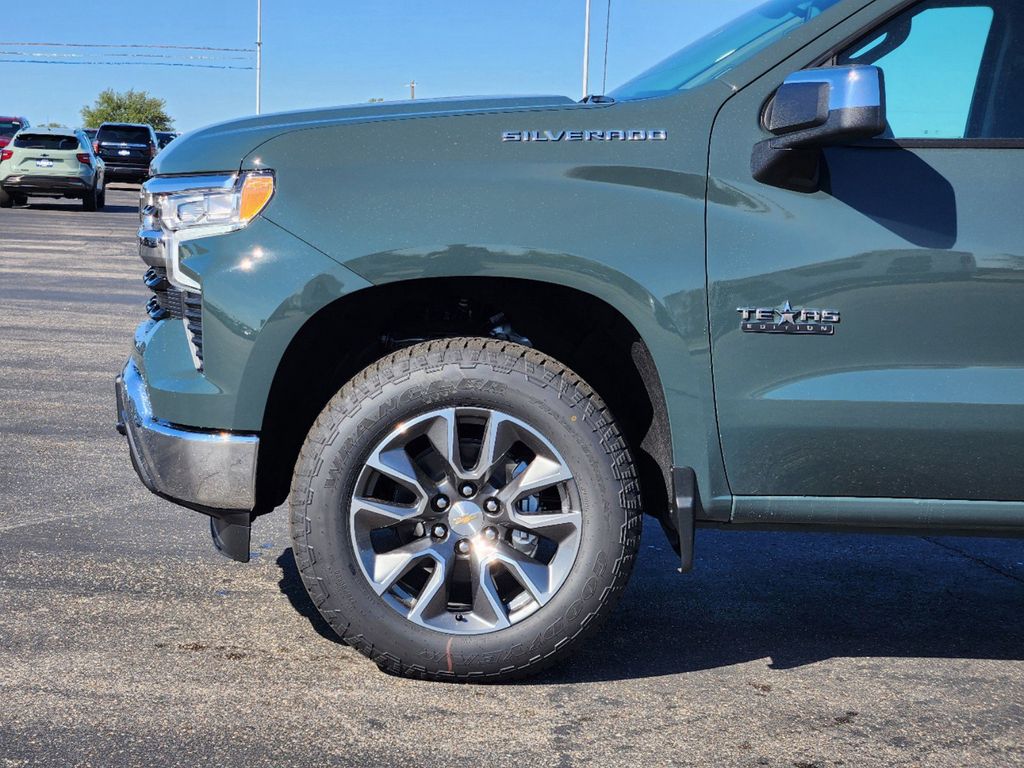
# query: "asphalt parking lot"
{"points": [[126, 640]]}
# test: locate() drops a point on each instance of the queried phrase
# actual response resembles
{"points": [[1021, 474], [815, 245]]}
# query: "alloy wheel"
{"points": [[465, 520]]}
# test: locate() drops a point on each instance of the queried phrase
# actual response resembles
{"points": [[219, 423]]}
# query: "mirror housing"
{"points": [[812, 109]]}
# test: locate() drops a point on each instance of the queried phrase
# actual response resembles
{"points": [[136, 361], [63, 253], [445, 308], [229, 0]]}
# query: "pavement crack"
{"points": [[975, 559]]}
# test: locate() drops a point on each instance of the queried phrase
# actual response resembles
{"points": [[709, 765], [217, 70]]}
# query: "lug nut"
{"points": [[438, 531], [462, 546], [467, 489], [490, 534], [441, 502], [492, 506]]}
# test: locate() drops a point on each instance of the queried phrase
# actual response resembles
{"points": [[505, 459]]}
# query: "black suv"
{"points": [[127, 149]]}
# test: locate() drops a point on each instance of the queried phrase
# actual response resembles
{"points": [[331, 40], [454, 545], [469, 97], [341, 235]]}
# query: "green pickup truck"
{"points": [[771, 282]]}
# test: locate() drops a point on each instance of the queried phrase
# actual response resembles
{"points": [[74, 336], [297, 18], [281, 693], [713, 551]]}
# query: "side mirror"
{"points": [[815, 108]]}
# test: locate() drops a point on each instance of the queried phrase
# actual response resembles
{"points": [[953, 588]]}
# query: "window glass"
{"points": [[45, 141], [9, 127], [931, 58], [722, 50], [127, 134]]}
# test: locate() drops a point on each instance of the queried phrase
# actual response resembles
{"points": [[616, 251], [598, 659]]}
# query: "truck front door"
{"points": [[917, 242]]}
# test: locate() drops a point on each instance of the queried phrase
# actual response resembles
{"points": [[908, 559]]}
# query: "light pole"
{"points": [[586, 54], [259, 51], [412, 89]]}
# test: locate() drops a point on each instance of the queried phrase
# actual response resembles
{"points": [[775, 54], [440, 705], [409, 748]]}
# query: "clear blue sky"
{"points": [[322, 52]]}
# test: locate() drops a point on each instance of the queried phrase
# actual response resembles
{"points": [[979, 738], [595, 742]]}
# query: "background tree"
{"points": [[127, 107]]}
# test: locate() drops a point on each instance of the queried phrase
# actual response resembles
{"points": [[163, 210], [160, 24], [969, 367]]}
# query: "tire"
{"points": [[6, 199], [538, 408], [101, 199], [91, 200]]}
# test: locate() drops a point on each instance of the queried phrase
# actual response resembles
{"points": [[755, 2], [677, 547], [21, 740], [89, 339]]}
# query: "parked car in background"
{"points": [[127, 149], [166, 137], [51, 162], [10, 126]]}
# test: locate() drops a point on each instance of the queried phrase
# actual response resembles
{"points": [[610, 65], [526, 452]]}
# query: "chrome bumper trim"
{"points": [[213, 470], [151, 247]]}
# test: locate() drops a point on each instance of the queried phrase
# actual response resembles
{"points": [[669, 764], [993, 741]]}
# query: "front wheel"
{"points": [[465, 509]]}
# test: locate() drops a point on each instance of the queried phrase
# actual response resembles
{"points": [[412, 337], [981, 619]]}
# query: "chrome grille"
{"points": [[193, 313], [169, 301], [158, 249]]}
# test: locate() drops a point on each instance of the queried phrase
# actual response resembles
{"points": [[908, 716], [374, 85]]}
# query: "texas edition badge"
{"points": [[815, 322]]}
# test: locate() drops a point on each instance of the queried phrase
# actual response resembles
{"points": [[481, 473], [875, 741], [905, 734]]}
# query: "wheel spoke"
{"points": [[443, 433], [531, 574], [396, 464], [388, 567], [553, 525], [486, 602], [499, 436], [370, 514], [541, 473], [433, 598]]}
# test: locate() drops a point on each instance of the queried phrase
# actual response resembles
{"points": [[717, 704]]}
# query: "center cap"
{"points": [[466, 518]]}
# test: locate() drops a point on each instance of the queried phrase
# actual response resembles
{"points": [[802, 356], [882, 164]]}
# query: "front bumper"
{"points": [[212, 471]]}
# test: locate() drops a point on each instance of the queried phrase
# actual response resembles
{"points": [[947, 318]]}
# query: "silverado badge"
{"points": [[634, 134], [818, 322]]}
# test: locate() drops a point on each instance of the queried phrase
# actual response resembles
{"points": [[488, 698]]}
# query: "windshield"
{"points": [[725, 48]]}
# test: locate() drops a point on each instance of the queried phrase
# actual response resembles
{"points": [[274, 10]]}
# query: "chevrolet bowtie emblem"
{"points": [[463, 519]]}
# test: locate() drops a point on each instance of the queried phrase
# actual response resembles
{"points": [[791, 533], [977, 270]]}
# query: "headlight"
{"points": [[225, 205], [176, 209]]}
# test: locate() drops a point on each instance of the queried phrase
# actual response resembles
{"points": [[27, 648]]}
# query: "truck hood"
{"points": [[221, 147]]}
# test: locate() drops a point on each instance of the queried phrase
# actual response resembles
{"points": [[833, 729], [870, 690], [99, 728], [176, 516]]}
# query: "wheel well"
{"points": [[575, 328]]}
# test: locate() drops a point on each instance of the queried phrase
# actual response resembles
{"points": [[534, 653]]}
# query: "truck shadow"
{"points": [[791, 600]]}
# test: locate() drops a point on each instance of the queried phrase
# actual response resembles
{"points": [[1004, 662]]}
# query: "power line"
{"points": [[125, 64], [53, 55], [129, 45]]}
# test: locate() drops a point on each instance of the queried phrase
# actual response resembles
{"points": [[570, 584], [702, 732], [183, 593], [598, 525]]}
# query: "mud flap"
{"points": [[231, 534], [684, 495]]}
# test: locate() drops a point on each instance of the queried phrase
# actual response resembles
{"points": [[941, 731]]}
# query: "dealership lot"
{"points": [[126, 640]]}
